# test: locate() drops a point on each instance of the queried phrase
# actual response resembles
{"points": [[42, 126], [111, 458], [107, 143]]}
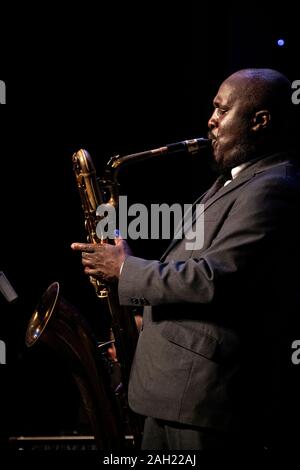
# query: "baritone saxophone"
{"points": [[94, 192]]}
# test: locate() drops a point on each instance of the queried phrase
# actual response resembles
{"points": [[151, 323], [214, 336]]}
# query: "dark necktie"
{"points": [[218, 184]]}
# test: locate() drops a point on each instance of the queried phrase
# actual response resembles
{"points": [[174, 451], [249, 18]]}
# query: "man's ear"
{"points": [[261, 120]]}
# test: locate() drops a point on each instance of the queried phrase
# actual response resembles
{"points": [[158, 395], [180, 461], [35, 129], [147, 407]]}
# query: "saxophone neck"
{"points": [[191, 146]]}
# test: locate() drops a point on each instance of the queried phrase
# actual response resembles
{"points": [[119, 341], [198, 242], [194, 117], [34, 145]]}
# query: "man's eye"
{"points": [[220, 111]]}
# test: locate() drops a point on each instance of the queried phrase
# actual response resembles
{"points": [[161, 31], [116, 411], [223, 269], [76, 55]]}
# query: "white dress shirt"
{"points": [[236, 171]]}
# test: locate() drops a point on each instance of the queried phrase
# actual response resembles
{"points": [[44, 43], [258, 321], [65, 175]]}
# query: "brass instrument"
{"points": [[91, 198], [57, 323], [93, 193]]}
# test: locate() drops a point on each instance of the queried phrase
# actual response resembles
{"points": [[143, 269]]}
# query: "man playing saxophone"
{"points": [[209, 368]]}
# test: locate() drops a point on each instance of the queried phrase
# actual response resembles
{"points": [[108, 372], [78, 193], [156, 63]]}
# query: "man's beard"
{"points": [[242, 153]]}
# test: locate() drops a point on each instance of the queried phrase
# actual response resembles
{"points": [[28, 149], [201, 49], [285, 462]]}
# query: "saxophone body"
{"points": [[94, 192], [91, 197]]}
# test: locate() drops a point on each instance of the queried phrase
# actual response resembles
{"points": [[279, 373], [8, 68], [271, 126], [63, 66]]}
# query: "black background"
{"points": [[114, 81]]}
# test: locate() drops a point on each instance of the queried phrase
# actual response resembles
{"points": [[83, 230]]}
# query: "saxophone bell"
{"points": [[57, 323]]}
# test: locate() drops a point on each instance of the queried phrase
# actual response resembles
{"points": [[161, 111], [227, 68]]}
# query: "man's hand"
{"points": [[102, 260]]}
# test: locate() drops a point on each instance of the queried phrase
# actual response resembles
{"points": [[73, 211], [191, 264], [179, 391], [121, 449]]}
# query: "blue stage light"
{"points": [[280, 42]]}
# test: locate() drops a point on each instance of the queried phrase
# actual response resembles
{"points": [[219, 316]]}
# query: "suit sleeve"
{"points": [[251, 234]]}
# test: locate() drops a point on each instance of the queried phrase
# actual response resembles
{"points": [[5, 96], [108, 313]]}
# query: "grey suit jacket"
{"points": [[216, 320]]}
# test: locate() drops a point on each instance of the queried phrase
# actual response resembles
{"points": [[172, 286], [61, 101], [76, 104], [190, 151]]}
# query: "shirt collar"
{"points": [[237, 169]]}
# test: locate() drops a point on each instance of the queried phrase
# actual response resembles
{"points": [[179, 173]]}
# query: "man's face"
{"points": [[230, 125]]}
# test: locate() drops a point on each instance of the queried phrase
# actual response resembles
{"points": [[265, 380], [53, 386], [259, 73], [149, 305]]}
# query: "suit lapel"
{"points": [[228, 188], [222, 192], [256, 167]]}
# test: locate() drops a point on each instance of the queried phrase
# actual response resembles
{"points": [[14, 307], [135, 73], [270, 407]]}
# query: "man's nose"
{"points": [[212, 122]]}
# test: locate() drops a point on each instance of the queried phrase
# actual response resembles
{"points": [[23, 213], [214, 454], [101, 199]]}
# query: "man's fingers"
{"points": [[84, 247], [87, 262]]}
